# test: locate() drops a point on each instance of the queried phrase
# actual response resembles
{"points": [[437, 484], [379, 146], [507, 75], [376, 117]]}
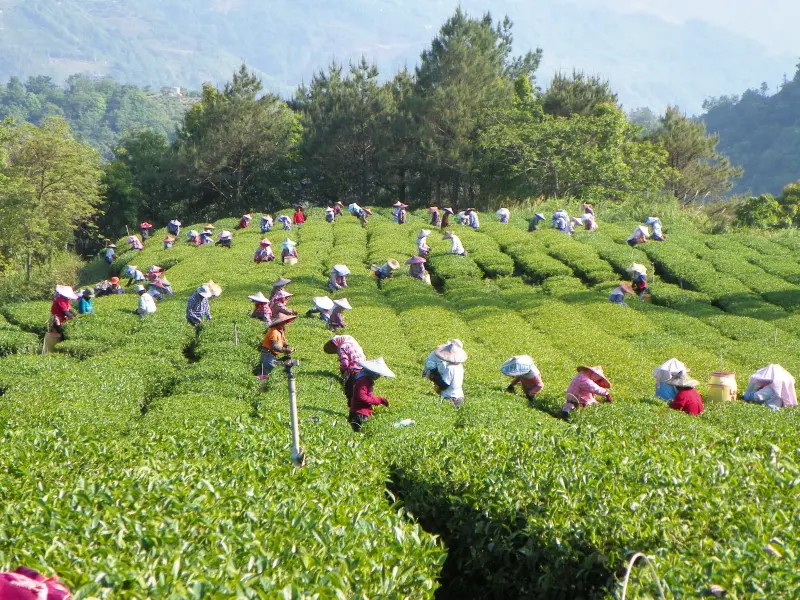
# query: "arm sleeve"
{"points": [[594, 388], [445, 373], [364, 394]]}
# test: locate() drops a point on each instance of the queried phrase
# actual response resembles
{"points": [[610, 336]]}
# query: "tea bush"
{"points": [[143, 459]]}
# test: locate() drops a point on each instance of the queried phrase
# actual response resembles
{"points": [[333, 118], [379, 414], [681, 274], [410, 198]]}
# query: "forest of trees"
{"points": [[761, 133], [99, 111], [469, 126]]}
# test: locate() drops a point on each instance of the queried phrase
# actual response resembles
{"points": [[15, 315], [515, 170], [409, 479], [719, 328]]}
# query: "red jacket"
{"points": [[689, 401], [299, 217], [364, 399], [60, 308]]}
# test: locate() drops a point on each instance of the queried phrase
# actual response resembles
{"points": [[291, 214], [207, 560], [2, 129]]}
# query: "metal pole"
{"points": [[235, 334], [297, 456]]}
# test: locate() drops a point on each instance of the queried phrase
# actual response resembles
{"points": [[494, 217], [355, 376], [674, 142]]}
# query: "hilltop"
{"points": [[144, 459], [649, 61]]}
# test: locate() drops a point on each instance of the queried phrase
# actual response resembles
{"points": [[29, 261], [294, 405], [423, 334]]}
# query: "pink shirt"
{"points": [[350, 353], [584, 389]]}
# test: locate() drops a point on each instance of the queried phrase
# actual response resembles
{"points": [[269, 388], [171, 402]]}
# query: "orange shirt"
{"points": [[274, 337]]}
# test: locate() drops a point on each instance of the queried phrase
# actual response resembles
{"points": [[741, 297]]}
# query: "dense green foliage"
{"points": [[149, 457], [759, 131], [49, 185], [99, 111]]}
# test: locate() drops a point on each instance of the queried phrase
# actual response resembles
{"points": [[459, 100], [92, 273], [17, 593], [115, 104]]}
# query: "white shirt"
{"points": [[453, 375], [147, 306], [473, 220], [457, 247]]}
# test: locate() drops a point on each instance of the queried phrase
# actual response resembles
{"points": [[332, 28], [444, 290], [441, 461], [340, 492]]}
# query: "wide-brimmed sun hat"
{"points": [[343, 304], [598, 372], [132, 239], [209, 226], [215, 289], [175, 222], [247, 216], [682, 379], [112, 246], [452, 352], [377, 366], [449, 211], [265, 242], [416, 260], [393, 264], [259, 297], [225, 235], [424, 233], [154, 269], [397, 204], [145, 225], [637, 268], [288, 244], [281, 294], [626, 287], [282, 319], [539, 216], [169, 239], [139, 289], [516, 366], [67, 292], [448, 235], [323, 302], [192, 233], [204, 291], [341, 270], [281, 282]]}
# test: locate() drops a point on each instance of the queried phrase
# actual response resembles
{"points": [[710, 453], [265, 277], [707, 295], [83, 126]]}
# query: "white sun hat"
{"points": [[341, 270], [288, 244], [67, 292], [452, 352], [323, 302], [516, 366], [377, 366], [343, 304], [259, 297]]}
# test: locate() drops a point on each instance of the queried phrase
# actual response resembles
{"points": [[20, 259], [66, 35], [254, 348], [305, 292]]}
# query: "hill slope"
{"points": [[185, 42], [761, 133], [148, 457]]}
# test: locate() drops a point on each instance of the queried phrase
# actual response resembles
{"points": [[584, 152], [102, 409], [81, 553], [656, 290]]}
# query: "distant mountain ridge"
{"points": [[185, 42]]}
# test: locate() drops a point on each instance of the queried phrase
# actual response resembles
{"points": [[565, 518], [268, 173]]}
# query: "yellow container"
{"points": [[722, 387]]}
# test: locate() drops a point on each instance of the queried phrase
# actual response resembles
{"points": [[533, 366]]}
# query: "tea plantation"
{"points": [[143, 461]]}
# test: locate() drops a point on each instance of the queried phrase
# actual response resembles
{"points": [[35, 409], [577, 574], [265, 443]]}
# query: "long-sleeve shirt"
{"points": [[453, 377], [473, 220], [136, 244], [278, 307], [198, 309], [61, 309], [531, 384], [286, 253], [147, 305], [85, 306], [350, 354], [422, 246], [262, 310], [456, 247], [263, 255], [299, 217], [435, 218], [336, 320], [584, 389], [336, 282], [110, 255], [688, 401], [417, 271], [364, 398]]}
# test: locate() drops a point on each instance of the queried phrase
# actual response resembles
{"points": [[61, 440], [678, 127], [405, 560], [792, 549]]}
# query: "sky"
{"points": [[773, 23]]}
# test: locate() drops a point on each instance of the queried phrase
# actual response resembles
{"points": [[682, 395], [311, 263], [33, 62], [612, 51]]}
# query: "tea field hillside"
{"points": [[143, 461]]}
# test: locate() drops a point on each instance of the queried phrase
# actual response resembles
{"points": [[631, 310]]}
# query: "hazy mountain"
{"points": [[649, 60]]}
